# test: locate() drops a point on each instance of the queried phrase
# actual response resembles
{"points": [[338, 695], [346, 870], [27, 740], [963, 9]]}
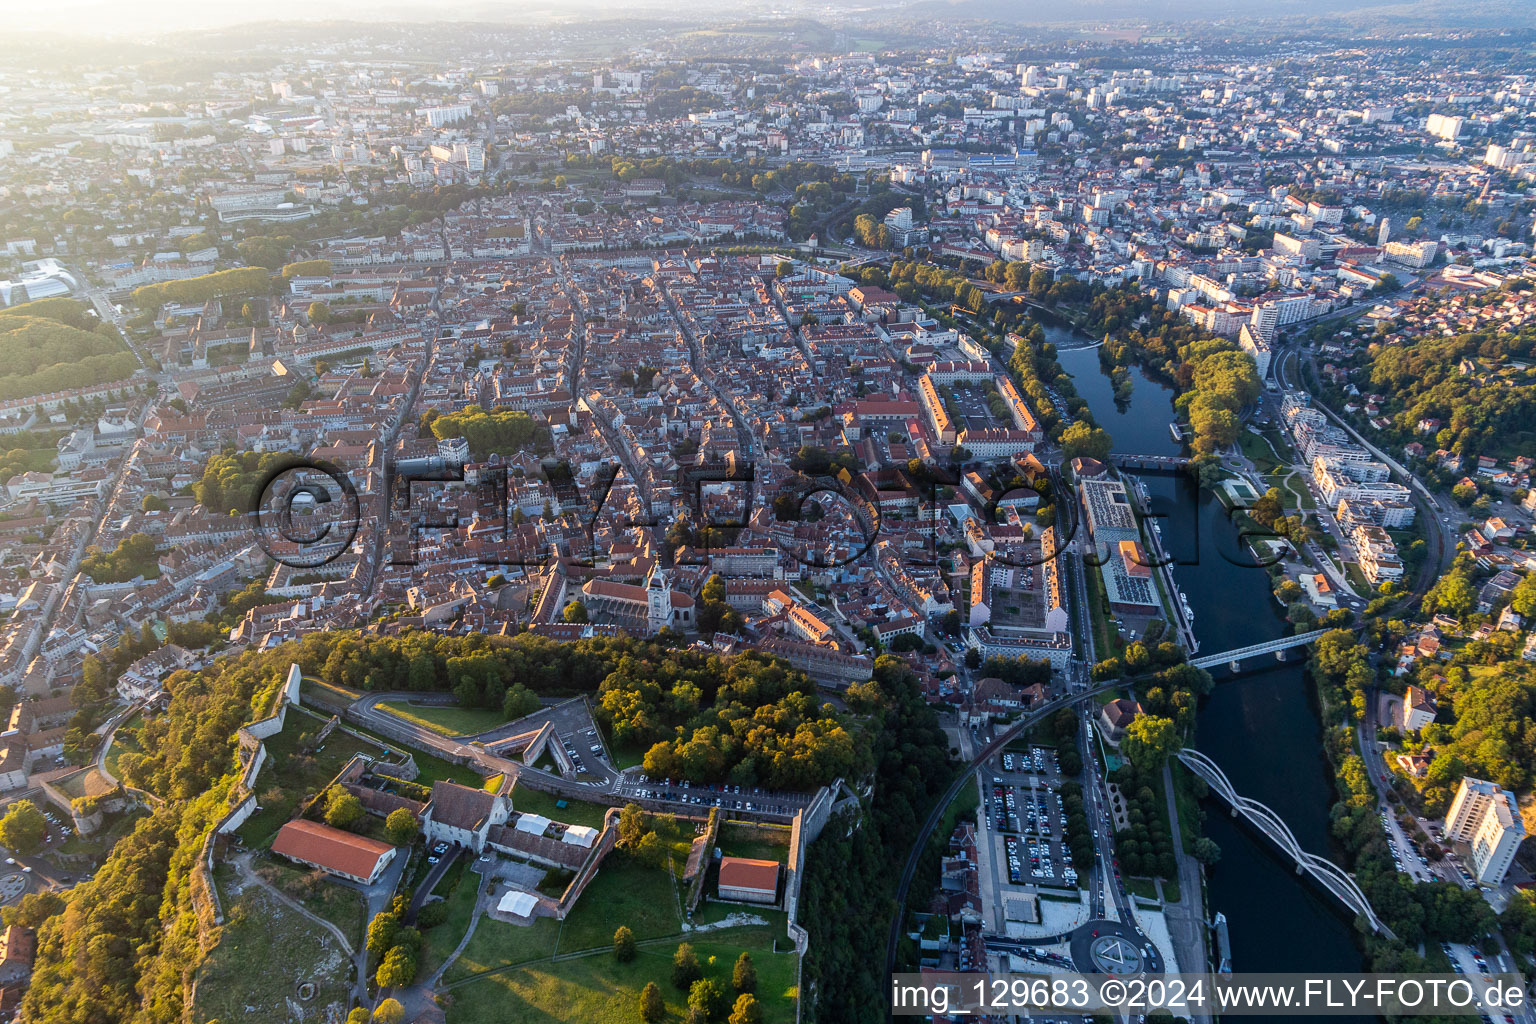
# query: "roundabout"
{"points": [[1109, 947], [12, 887]]}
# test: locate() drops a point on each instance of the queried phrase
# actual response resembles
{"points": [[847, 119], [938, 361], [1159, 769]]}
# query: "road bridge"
{"points": [[1237, 654], [1332, 877], [1148, 461]]}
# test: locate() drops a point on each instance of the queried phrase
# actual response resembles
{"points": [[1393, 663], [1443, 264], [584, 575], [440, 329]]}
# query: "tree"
{"points": [[631, 827], [1149, 740], [707, 995], [652, 1006], [623, 944], [576, 611], [383, 930], [1082, 441], [685, 967], [432, 914], [154, 503], [400, 827], [398, 968], [389, 1012], [319, 313], [1206, 851], [33, 909], [746, 1011], [342, 809], [359, 1015], [519, 701], [744, 975], [23, 827]]}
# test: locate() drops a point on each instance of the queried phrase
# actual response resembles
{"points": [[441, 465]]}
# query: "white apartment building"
{"points": [[1486, 817], [1363, 481], [1412, 254], [1444, 126], [439, 116], [1251, 341]]}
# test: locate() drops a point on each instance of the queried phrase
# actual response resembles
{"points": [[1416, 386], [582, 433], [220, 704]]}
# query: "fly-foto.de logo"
{"points": [[307, 513]]}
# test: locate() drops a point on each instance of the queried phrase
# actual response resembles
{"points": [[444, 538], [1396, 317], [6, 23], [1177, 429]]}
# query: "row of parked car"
{"points": [[1034, 761], [731, 797]]}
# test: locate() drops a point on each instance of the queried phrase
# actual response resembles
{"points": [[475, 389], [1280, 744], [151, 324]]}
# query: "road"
{"points": [[1186, 918], [696, 358], [1439, 535], [963, 778]]}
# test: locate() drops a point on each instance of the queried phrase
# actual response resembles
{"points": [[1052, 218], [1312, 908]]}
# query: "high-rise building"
{"points": [[1486, 817], [1500, 157], [1384, 232], [1445, 126]]}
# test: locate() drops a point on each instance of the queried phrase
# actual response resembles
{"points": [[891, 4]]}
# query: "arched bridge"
{"points": [[1333, 877], [1270, 647]]}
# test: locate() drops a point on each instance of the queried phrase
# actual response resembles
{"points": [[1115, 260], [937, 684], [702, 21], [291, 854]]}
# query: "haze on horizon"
{"points": [[144, 18]]}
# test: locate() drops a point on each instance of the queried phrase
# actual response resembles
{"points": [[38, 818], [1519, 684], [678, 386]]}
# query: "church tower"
{"points": [[658, 592]]}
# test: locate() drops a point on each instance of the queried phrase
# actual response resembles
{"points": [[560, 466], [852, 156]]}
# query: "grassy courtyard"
{"points": [[290, 774], [758, 844], [437, 943], [445, 719], [125, 740], [497, 944], [597, 989], [624, 892]]}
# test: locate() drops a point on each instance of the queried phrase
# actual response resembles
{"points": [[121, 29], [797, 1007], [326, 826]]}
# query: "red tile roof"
{"points": [[744, 873], [330, 848]]}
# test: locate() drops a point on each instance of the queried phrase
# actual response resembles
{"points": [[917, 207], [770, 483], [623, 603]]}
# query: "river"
{"points": [[1260, 725]]}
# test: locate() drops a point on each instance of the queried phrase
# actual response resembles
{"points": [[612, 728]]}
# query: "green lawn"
{"points": [[575, 812], [599, 990], [438, 942], [431, 768], [624, 892], [327, 693], [1188, 806], [742, 841], [289, 951], [125, 740], [1143, 887], [338, 904], [449, 720], [1257, 451], [710, 912], [499, 944], [1106, 639], [1298, 488], [289, 775]]}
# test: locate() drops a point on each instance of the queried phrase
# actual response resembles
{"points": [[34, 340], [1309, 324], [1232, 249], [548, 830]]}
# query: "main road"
{"points": [[966, 777]]}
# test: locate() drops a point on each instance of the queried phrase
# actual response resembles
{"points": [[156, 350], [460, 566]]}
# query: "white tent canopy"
{"points": [[518, 903], [579, 835], [533, 824]]}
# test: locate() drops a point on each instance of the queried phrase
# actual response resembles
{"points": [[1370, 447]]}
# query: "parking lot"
{"points": [[973, 403], [747, 799], [586, 757], [1026, 809]]}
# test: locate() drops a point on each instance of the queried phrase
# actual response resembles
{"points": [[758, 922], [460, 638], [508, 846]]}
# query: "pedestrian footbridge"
{"points": [[1332, 877], [1236, 655]]}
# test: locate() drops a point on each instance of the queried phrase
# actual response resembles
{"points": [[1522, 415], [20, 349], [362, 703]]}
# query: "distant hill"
{"points": [[1343, 15]]}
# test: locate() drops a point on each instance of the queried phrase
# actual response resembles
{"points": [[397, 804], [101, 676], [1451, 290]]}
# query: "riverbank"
{"points": [[1262, 727]]}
